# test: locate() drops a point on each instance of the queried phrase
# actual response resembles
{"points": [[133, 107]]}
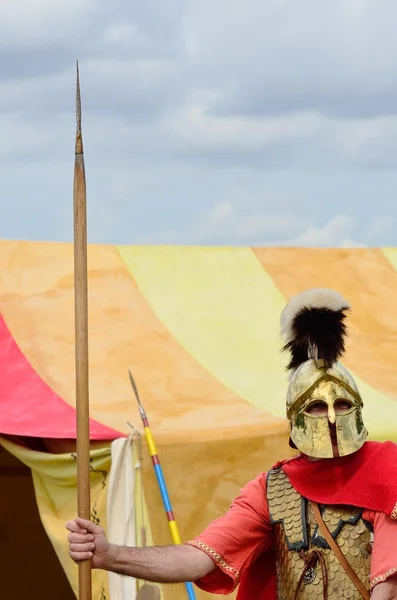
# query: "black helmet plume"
{"points": [[312, 325]]}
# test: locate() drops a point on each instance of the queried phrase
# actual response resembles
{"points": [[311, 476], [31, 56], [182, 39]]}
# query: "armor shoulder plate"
{"points": [[288, 508]]}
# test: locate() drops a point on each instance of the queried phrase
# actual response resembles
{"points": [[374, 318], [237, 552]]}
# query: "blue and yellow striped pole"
{"points": [[176, 538]]}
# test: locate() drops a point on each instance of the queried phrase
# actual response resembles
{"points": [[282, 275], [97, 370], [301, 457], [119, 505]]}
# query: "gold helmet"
{"points": [[313, 328]]}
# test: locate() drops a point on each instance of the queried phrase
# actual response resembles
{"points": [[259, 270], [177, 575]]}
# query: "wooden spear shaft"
{"points": [[81, 343]]}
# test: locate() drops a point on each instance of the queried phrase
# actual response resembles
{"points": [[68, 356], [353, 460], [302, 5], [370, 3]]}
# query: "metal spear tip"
{"points": [[131, 377], [79, 136], [135, 388]]}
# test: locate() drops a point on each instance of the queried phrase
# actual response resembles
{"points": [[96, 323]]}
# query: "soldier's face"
{"points": [[321, 409]]}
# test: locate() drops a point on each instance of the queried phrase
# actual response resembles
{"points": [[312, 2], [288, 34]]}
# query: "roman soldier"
{"points": [[324, 408], [322, 524]]}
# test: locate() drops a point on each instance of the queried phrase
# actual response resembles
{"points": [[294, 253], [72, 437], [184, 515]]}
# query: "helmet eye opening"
{"points": [[343, 406], [319, 408]]}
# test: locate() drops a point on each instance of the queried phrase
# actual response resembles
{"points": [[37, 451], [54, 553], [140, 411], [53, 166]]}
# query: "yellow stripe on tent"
{"points": [[223, 309], [391, 255]]}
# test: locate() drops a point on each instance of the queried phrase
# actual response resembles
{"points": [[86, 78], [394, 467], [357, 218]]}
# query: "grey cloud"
{"points": [[272, 156], [42, 60], [292, 152], [337, 58], [257, 99], [272, 59], [120, 30], [130, 54]]}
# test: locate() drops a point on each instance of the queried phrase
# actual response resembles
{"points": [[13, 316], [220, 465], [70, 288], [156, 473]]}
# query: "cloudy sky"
{"points": [[205, 121]]}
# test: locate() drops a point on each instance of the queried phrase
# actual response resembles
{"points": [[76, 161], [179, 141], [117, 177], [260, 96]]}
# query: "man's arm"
{"points": [[161, 564], [215, 560]]}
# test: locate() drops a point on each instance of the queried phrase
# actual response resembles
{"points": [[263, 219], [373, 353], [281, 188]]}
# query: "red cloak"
{"points": [[367, 478]]}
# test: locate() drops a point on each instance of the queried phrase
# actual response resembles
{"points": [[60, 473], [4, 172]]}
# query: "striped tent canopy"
{"points": [[197, 326], [199, 329]]}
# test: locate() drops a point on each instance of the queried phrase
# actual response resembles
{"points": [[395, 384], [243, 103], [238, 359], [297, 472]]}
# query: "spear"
{"points": [[81, 342], [160, 479]]}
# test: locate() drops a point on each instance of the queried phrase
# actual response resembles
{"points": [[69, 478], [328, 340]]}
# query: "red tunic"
{"points": [[240, 542]]}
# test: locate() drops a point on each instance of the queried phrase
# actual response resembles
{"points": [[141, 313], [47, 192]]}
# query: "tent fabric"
{"points": [[55, 483], [118, 505], [198, 328], [28, 406]]}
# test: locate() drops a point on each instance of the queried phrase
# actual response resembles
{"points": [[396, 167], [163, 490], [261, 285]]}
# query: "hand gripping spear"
{"points": [[160, 479], [81, 343]]}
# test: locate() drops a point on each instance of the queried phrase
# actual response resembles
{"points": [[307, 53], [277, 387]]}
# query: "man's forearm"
{"points": [[161, 564]]}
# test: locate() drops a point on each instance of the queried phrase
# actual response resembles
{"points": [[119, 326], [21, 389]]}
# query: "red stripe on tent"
{"points": [[28, 406]]}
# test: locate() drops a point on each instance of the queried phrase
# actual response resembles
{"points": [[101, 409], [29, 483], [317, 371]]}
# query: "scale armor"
{"points": [[296, 532]]}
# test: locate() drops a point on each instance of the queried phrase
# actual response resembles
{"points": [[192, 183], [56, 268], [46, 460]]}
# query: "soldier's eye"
{"points": [[342, 406], [317, 408]]}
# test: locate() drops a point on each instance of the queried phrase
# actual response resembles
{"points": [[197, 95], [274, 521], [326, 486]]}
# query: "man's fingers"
{"points": [[79, 548], [89, 526], [84, 526], [79, 538], [79, 556], [82, 538], [73, 526]]}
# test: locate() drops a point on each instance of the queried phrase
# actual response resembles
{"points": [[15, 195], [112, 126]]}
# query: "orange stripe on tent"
{"points": [[367, 280]]}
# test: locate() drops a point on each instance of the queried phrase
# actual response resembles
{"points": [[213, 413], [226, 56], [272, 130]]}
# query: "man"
{"points": [[277, 540]]}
